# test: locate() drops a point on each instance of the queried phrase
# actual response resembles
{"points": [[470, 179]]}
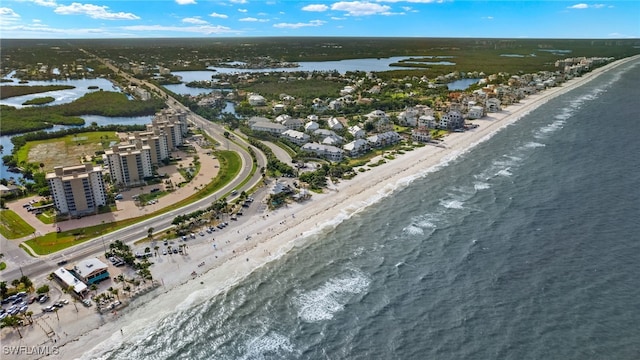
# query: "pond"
{"points": [[461, 84]]}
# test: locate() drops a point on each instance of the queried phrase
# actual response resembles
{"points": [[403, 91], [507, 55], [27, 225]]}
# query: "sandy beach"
{"points": [[239, 250]]}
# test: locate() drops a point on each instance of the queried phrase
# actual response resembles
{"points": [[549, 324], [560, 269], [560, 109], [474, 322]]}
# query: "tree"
{"points": [[24, 279], [43, 289], [3, 289], [150, 233], [156, 249], [115, 292], [14, 322], [94, 288]]}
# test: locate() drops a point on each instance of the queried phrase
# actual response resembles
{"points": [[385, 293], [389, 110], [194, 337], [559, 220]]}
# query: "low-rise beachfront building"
{"points": [[475, 112], [328, 152], [77, 190], [268, 127], [129, 164], [421, 134], [68, 281], [451, 121], [428, 121], [91, 271], [493, 105], [384, 139], [356, 148], [296, 137]]}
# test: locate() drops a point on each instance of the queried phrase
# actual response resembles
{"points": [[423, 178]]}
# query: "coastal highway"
{"points": [[46, 264]]}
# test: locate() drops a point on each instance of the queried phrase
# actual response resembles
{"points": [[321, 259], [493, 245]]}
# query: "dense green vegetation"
{"points": [[39, 101], [9, 91], [470, 54], [105, 103]]}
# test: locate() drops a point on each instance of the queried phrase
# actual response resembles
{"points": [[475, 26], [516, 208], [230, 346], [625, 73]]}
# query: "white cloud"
{"points": [[194, 20], [338, 18], [186, 2], [252, 19], [216, 15], [94, 12], [586, 6], [238, 1], [207, 29], [413, 1], [316, 7], [299, 25], [6, 12], [243, 10], [361, 8], [47, 3]]}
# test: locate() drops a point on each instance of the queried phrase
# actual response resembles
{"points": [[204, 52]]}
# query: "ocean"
{"points": [[525, 247]]}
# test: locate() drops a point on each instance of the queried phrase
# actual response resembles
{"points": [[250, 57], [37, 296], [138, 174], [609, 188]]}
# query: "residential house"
{"points": [[356, 131], [334, 124], [311, 126], [293, 123], [256, 100]]}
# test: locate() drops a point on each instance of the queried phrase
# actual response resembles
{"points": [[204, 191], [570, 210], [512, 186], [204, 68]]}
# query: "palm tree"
{"points": [[12, 321], [156, 249], [94, 288], [115, 292]]}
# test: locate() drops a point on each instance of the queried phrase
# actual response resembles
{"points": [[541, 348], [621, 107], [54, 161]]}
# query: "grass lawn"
{"points": [[65, 150], [12, 226]]}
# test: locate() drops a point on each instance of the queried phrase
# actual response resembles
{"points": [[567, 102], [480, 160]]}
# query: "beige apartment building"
{"points": [[129, 164], [77, 190]]}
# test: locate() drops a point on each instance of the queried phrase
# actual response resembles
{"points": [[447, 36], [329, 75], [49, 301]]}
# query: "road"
{"points": [[47, 264]]}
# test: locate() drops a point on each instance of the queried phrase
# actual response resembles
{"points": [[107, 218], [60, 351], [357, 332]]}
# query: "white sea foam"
{"points": [[413, 229], [504, 172], [265, 346], [330, 298], [452, 204], [532, 145], [481, 185]]}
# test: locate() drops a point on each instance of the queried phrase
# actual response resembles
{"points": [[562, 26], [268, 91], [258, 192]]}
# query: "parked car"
{"points": [[43, 299], [87, 302]]}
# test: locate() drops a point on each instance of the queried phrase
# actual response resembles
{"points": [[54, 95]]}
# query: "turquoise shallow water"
{"points": [[526, 247]]}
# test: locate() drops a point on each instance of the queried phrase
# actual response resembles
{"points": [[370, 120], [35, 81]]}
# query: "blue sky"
{"points": [[240, 18]]}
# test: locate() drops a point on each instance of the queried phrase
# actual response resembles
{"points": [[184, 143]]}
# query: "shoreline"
{"points": [[263, 239]]}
